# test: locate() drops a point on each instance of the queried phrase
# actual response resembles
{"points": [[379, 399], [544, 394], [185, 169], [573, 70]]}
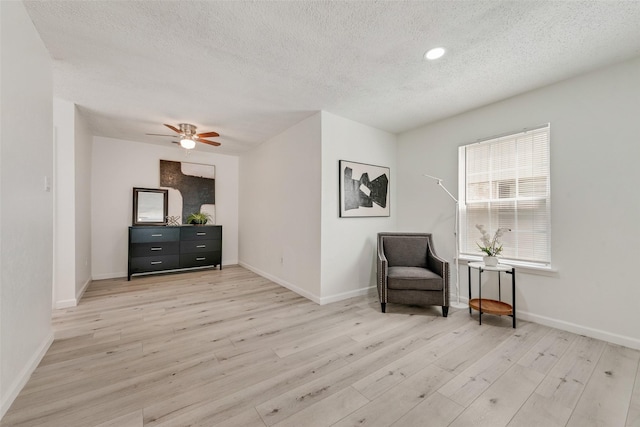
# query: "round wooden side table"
{"points": [[491, 306]]}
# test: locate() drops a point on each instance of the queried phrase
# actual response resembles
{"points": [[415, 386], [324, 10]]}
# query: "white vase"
{"points": [[490, 261]]}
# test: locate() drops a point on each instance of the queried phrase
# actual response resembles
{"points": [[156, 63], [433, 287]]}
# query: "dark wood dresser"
{"points": [[157, 249]]}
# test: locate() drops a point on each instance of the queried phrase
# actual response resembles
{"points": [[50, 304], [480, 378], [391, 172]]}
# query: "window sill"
{"points": [[522, 267]]}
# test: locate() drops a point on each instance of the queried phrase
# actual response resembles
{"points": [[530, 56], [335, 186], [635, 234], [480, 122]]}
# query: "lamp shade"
{"points": [[187, 143]]}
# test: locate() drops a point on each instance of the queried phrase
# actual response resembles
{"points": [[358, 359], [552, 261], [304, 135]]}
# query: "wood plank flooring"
{"points": [[230, 348]]}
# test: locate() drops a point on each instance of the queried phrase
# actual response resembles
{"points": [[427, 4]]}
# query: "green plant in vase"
{"points": [[198, 218]]}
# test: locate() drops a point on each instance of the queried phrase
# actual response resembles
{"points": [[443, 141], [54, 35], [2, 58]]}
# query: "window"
{"points": [[504, 182]]}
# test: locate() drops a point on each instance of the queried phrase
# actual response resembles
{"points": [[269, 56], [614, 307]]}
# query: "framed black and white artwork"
{"points": [[191, 188], [364, 190]]}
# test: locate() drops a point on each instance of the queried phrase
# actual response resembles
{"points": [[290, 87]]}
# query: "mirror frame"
{"points": [[165, 205]]}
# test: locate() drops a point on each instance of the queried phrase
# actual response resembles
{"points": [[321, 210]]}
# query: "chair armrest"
{"points": [[435, 263], [381, 256], [440, 267]]}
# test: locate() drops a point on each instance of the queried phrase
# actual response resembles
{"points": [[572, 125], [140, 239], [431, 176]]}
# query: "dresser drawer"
{"points": [[154, 263], [200, 259], [155, 249], [196, 232], [154, 234], [198, 246]]}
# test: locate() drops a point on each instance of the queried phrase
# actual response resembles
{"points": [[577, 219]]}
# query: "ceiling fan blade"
{"points": [[159, 134], [173, 128], [214, 143], [207, 134]]}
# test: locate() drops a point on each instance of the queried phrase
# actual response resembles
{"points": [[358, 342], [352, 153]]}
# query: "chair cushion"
{"points": [[406, 251], [414, 278]]}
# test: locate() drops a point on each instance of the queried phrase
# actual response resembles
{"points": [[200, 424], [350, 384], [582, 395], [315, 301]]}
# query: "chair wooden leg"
{"points": [[384, 307], [445, 310]]}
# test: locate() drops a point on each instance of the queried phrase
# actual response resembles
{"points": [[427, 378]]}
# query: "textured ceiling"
{"points": [[250, 70]]}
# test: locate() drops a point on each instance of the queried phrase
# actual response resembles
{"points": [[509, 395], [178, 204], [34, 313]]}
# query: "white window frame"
{"points": [[468, 233]]}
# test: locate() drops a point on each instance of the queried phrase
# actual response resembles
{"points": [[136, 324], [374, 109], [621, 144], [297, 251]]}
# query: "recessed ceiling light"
{"points": [[434, 53]]}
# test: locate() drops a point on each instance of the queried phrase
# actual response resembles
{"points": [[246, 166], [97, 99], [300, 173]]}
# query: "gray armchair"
{"points": [[410, 272]]}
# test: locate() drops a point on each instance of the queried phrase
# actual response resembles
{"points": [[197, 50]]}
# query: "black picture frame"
{"points": [[150, 206], [364, 190]]}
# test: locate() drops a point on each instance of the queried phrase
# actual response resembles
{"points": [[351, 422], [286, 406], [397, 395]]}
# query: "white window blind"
{"points": [[505, 182]]}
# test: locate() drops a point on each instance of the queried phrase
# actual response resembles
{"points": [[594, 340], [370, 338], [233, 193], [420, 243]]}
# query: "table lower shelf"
{"points": [[491, 306]]}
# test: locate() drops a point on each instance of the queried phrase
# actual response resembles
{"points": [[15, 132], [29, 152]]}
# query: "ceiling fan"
{"points": [[189, 137]]}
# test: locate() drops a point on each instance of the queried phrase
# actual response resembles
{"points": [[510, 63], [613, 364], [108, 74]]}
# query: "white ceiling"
{"points": [[250, 70]]}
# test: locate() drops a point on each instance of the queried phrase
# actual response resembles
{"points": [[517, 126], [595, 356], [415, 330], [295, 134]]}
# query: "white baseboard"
{"points": [[65, 303], [531, 317], [74, 301], [346, 295], [572, 327], [104, 276], [318, 300], [25, 374], [581, 330], [82, 290], [284, 283]]}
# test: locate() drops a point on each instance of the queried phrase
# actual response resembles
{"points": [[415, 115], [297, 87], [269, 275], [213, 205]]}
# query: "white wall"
{"points": [[280, 208], [120, 165], [65, 229], [26, 209], [72, 235], [290, 230], [595, 147], [83, 142], [349, 244]]}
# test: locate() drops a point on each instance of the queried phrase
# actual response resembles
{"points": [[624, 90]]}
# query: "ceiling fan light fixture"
{"points": [[188, 135], [187, 143]]}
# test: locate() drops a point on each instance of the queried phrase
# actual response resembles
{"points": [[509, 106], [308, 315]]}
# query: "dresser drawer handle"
{"points": [[156, 262], [156, 235], [156, 249], [201, 246], [201, 233], [201, 258]]}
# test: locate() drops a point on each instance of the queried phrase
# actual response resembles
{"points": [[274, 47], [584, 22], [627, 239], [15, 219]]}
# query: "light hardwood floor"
{"points": [[230, 348]]}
